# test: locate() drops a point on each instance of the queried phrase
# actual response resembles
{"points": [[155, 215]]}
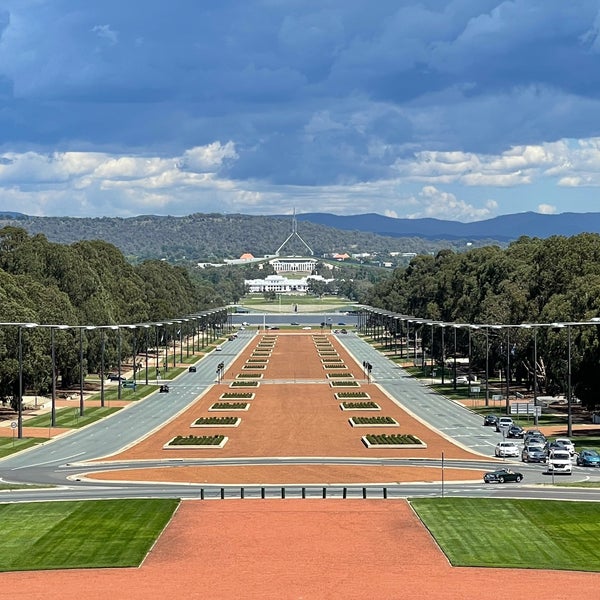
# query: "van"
{"points": [[559, 461]]}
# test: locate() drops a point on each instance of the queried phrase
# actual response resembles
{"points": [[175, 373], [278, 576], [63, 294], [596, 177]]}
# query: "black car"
{"points": [[164, 389], [192, 369], [115, 377], [502, 475], [490, 420], [514, 431]]}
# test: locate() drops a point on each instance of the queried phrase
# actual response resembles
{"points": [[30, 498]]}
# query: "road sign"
{"points": [[525, 408], [13, 424]]}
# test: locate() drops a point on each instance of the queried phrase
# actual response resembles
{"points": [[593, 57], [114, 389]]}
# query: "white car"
{"points": [[567, 444], [503, 423], [218, 348], [559, 461], [506, 449], [462, 379]]}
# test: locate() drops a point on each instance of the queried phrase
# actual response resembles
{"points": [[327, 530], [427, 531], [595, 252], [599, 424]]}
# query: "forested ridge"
{"points": [[554, 280], [214, 237], [85, 283]]}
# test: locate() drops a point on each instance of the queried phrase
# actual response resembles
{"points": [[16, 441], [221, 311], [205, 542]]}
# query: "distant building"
{"points": [[293, 264], [282, 285]]}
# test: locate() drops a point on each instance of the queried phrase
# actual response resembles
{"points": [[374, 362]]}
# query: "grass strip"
{"points": [[12, 445], [533, 534], [80, 534], [70, 417]]}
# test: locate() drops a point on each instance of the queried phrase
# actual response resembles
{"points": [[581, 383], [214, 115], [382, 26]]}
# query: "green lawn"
{"points": [[535, 534], [83, 534], [10, 445], [69, 417]]}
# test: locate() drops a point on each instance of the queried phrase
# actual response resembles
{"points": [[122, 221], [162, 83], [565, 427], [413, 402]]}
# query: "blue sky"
{"points": [[453, 109]]}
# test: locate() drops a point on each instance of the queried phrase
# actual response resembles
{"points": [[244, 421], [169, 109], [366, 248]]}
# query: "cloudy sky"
{"points": [[454, 109]]}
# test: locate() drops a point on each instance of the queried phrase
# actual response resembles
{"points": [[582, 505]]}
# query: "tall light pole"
{"points": [[20, 400]]}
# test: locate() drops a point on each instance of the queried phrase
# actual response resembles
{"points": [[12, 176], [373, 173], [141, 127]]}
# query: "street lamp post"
{"points": [[20, 400]]}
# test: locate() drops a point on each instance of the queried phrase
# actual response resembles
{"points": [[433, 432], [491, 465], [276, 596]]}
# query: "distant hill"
{"points": [[214, 237], [504, 228]]}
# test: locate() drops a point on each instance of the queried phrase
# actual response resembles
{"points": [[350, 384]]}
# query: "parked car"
{"points": [[274, 328], [506, 449], [115, 377], [533, 454], [503, 423], [294, 323], [490, 420], [192, 369], [515, 431], [588, 458], [462, 380], [567, 444], [503, 475], [559, 461]]}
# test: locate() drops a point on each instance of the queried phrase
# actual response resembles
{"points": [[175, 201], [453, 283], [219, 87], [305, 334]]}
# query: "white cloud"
{"points": [[434, 203], [105, 33], [546, 209]]}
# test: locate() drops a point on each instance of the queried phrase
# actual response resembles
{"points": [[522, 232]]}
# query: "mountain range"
{"points": [[504, 228]]}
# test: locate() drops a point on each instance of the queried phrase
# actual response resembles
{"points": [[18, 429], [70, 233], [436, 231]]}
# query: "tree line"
{"points": [[86, 283], [543, 281]]}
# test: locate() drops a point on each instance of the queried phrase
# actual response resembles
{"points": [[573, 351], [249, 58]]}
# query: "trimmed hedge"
{"points": [[195, 440], [384, 439], [216, 421]]}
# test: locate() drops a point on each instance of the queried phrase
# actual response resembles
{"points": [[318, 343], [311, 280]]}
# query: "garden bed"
{"points": [[181, 442], [229, 406], [392, 441], [352, 396], [360, 406], [246, 366], [334, 366], [249, 376], [216, 422], [237, 396], [244, 384], [337, 384], [378, 421], [340, 375]]}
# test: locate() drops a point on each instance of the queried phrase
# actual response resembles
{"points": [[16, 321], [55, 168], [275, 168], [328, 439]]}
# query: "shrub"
{"points": [[379, 420], [360, 405], [393, 439], [216, 421], [229, 405], [197, 440]]}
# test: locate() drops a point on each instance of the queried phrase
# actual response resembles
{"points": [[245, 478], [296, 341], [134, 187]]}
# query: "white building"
{"points": [[282, 285]]}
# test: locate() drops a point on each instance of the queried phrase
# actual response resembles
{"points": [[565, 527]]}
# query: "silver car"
{"points": [[533, 454]]}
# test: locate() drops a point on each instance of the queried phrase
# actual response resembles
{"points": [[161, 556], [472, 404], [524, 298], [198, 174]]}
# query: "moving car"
{"points": [[192, 369], [164, 389], [114, 377], [504, 449], [502, 475], [588, 458], [515, 431], [490, 420], [559, 461], [294, 323], [503, 423], [533, 433], [218, 348], [462, 379], [567, 444], [533, 454]]}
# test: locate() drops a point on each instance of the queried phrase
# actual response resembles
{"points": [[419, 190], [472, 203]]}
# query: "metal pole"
{"points": [[53, 355], [20, 399], [147, 344], [535, 415], [508, 371], [487, 366], [569, 415], [102, 348], [119, 362], [455, 361], [81, 371]]}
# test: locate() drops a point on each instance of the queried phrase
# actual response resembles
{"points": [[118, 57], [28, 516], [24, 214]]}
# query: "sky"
{"points": [[453, 109]]}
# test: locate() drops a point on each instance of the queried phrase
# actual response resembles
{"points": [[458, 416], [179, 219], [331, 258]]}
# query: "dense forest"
{"points": [[215, 237], [86, 283], [555, 280]]}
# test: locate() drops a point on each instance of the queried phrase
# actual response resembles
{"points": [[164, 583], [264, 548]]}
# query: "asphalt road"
{"points": [[63, 462]]}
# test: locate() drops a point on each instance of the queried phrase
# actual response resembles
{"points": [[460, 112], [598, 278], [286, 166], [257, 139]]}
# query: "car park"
{"points": [[506, 449], [490, 420], [192, 369], [559, 461], [588, 458], [515, 431], [503, 423], [502, 476], [533, 454]]}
